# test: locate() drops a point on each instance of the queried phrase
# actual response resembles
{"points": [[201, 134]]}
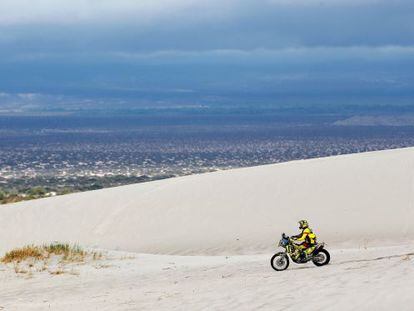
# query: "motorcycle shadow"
{"points": [[306, 266]]}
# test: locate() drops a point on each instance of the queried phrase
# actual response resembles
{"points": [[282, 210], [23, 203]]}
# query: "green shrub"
{"points": [[37, 192]]}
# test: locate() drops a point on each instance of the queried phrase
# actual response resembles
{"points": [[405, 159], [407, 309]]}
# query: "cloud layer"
{"points": [[222, 49]]}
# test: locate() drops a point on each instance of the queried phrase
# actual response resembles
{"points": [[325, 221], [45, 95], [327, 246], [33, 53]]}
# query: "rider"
{"points": [[308, 237]]}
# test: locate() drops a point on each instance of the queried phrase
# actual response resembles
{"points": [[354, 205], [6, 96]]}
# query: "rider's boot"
{"points": [[303, 256]]}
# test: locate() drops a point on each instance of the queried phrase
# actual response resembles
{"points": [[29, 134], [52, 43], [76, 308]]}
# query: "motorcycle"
{"points": [[280, 261]]}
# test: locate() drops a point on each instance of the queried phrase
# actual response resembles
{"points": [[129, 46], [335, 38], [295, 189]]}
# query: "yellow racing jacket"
{"points": [[307, 236]]}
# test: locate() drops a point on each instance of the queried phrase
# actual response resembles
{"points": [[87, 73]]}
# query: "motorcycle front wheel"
{"points": [[321, 258], [279, 261]]}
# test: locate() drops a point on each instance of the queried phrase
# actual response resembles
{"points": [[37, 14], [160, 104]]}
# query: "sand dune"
{"points": [[358, 200], [353, 200], [373, 279]]}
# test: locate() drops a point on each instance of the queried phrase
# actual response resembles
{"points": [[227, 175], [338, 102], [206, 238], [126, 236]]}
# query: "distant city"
{"points": [[45, 156]]}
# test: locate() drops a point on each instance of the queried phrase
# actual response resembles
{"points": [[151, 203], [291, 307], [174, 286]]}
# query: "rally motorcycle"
{"points": [[280, 261]]}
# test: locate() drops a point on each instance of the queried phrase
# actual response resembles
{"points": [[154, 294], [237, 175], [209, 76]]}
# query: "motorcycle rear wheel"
{"points": [[321, 258], [279, 261]]}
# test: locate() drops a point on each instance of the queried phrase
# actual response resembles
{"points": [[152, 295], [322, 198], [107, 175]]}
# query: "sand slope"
{"points": [[357, 200], [373, 279], [360, 199]]}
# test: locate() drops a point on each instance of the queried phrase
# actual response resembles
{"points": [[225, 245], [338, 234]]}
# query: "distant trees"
{"points": [[36, 192], [13, 195], [9, 197], [22, 190], [95, 186]]}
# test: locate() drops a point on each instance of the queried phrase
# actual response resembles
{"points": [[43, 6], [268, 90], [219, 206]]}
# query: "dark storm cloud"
{"points": [[191, 26], [130, 49]]}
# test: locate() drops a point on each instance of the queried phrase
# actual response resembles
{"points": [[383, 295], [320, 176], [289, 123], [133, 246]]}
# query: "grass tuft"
{"points": [[20, 254], [40, 258], [67, 252]]}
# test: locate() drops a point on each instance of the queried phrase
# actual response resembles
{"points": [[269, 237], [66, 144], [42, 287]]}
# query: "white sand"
{"points": [[357, 201], [355, 280]]}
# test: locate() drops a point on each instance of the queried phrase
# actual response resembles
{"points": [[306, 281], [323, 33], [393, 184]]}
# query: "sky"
{"points": [[64, 55]]}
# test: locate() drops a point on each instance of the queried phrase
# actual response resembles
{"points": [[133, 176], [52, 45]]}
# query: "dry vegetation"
{"points": [[15, 196], [53, 258], [20, 254]]}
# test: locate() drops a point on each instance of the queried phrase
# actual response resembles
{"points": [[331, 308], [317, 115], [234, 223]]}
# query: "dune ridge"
{"points": [[357, 200]]}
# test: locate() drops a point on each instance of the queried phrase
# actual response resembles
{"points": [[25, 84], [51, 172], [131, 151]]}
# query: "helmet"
{"points": [[303, 224]]}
